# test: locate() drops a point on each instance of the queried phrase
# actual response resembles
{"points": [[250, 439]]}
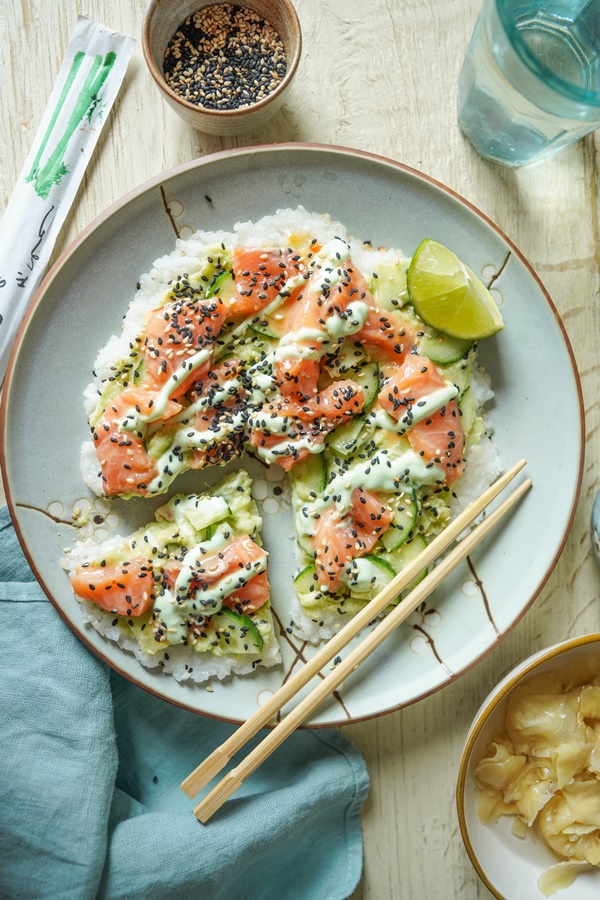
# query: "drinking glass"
{"points": [[530, 83]]}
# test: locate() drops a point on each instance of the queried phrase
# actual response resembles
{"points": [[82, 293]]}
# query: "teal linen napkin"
{"points": [[90, 767]]}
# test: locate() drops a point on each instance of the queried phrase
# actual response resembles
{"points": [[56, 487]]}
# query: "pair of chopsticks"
{"points": [[217, 760]]}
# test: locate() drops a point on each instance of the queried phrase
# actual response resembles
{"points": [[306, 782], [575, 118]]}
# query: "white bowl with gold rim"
{"points": [[510, 866]]}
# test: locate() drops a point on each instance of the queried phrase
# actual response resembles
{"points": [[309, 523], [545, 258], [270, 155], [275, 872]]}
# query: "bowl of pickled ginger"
{"points": [[528, 791]]}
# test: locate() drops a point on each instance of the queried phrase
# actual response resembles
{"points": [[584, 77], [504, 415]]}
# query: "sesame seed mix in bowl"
{"points": [[224, 57], [292, 342]]}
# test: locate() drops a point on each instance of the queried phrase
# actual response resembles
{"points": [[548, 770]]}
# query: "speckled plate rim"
{"points": [[492, 701], [258, 150]]}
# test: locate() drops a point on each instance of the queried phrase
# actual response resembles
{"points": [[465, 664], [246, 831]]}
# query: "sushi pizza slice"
{"points": [[221, 352], [389, 479], [188, 592]]}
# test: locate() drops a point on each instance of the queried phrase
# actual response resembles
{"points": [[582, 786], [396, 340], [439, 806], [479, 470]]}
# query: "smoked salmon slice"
{"points": [[174, 333], [239, 554], [338, 540], [387, 335], [439, 438], [338, 401], [298, 378], [260, 275], [415, 378], [251, 597], [218, 412], [304, 423], [310, 309], [125, 464], [124, 589]]}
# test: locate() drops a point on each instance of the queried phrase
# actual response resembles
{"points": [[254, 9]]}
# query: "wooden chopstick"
{"points": [[232, 781], [213, 764], [219, 758]]}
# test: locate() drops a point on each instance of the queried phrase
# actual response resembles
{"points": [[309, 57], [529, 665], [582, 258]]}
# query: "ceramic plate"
{"points": [[81, 303]]}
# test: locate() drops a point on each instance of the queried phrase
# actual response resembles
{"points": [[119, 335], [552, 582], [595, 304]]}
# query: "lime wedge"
{"points": [[447, 295]]}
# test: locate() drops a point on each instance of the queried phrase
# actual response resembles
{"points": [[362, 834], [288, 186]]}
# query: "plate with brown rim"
{"points": [[83, 298]]}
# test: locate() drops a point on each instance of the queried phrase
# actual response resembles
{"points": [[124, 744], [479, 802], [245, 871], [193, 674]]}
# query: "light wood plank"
{"points": [[382, 81]]}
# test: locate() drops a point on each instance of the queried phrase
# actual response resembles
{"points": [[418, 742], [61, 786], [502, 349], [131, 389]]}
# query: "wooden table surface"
{"points": [[379, 77]]}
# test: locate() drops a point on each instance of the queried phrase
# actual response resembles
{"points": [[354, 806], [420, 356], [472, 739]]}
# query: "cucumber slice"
{"points": [[373, 573], [384, 567], [460, 372], [346, 357], [468, 410], [389, 287], [368, 575], [143, 630], [218, 284], [403, 522], [347, 437], [253, 347], [168, 533], [306, 581], [207, 511], [442, 348], [376, 570], [400, 558], [367, 376], [227, 632], [262, 328], [306, 545], [138, 372], [309, 477], [159, 442]]}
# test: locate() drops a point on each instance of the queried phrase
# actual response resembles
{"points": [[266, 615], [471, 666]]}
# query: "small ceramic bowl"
{"points": [[508, 865], [163, 18]]}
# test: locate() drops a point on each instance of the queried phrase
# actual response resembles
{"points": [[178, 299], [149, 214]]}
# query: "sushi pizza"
{"points": [[290, 342]]}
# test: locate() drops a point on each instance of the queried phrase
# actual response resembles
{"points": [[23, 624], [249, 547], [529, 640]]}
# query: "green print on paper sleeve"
{"points": [[87, 103]]}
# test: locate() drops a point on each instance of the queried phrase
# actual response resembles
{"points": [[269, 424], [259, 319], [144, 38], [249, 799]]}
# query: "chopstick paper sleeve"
{"points": [[88, 83]]}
